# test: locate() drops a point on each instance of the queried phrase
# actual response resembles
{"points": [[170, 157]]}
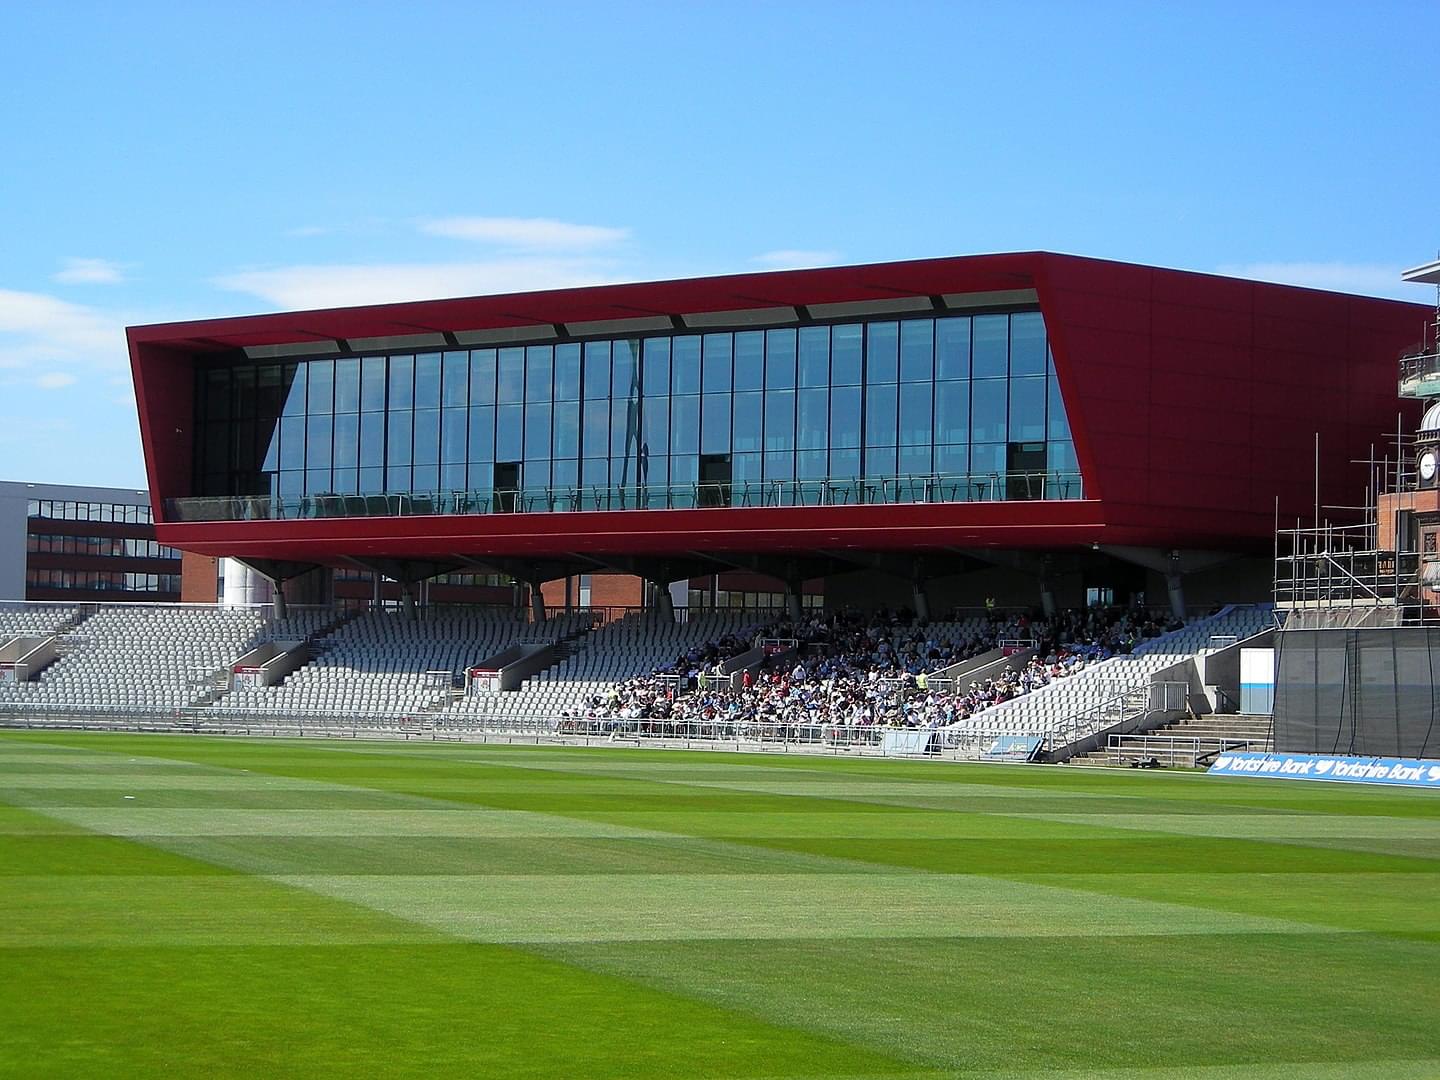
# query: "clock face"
{"points": [[1427, 465]]}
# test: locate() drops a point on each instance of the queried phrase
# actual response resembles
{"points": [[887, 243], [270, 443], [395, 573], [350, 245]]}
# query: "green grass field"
{"points": [[203, 907]]}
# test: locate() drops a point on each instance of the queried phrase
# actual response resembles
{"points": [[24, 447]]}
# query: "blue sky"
{"points": [[169, 161]]}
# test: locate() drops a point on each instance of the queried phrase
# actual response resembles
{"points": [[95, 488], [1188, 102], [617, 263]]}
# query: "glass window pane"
{"points": [[425, 478], [880, 427], [398, 439], [882, 352], [427, 381], [1027, 343], [539, 369], [717, 364], [258, 392], [914, 461], [779, 465], [482, 377], [454, 425], [217, 394], [952, 412], [1027, 409], [916, 400], [989, 408], [952, 348], [749, 412], [815, 356], [347, 439], [320, 375], [952, 459], [1060, 456], [845, 416], [565, 473], [624, 433], [880, 461], [596, 432], [745, 467], [990, 346], [402, 382], [372, 439], [455, 371], [779, 359], [595, 472], [482, 434], [347, 386], [372, 481], [917, 350], [427, 436], [318, 432], [715, 424], [684, 424], [813, 428], [685, 365], [657, 367], [845, 354], [509, 432], [811, 464], [597, 370], [780, 419], [537, 431], [294, 390], [510, 386], [750, 360], [567, 372], [625, 368], [346, 481], [567, 429], [292, 442], [397, 478], [987, 458], [655, 432], [1057, 425], [844, 464], [452, 477]]}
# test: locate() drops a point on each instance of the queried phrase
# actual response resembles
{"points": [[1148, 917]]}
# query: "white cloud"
{"points": [[55, 380], [1369, 279], [526, 234], [341, 285], [89, 272], [41, 330], [795, 259]]}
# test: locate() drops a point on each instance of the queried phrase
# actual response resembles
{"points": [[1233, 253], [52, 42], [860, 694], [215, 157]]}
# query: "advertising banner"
{"points": [[1404, 772], [1012, 748]]}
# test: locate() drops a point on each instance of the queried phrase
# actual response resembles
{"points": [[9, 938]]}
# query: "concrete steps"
{"points": [[1189, 743]]}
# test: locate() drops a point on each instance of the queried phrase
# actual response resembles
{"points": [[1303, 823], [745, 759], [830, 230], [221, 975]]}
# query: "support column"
{"points": [[1047, 588], [921, 600], [1174, 582], [407, 599], [664, 603], [278, 595], [537, 603], [793, 604]]}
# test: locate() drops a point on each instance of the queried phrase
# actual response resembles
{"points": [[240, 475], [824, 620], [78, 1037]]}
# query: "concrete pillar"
{"points": [[278, 595], [664, 602], [407, 599], [244, 586], [1174, 582], [793, 604], [921, 600], [537, 603], [1047, 598]]}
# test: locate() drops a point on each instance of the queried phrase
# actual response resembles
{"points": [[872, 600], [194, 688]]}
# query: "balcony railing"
{"points": [[1420, 375], [967, 488]]}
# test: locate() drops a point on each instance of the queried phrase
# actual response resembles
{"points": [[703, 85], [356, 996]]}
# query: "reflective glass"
{"points": [[625, 369], [427, 381], [750, 360], [372, 439], [425, 478], [914, 460], [916, 400], [597, 370], [397, 478], [402, 382], [952, 348], [217, 394], [453, 426], [1027, 343], [952, 459], [813, 426], [987, 458], [880, 404], [452, 477], [882, 352], [372, 481], [319, 431], [880, 461], [814, 356], [397, 443], [482, 434], [811, 464], [952, 412], [1057, 426], [565, 473], [539, 371], [844, 464], [685, 365], [917, 350], [347, 441], [780, 419], [509, 432], [657, 367], [595, 441], [567, 429], [845, 354], [455, 373], [715, 424], [320, 378], [482, 377], [294, 390], [292, 442], [1027, 409], [427, 436], [258, 392], [745, 468], [990, 346], [624, 427], [717, 363], [346, 481], [1060, 455], [845, 416], [567, 372], [684, 424], [779, 359], [510, 385], [989, 407], [749, 413], [779, 465], [347, 385]]}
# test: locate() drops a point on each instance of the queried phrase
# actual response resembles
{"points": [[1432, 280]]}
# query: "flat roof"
{"points": [[1428, 274]]}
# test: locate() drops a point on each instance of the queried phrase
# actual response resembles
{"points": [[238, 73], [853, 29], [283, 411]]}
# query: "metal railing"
{"points": [[1187, 751], [1116, 704], [930, 488]]}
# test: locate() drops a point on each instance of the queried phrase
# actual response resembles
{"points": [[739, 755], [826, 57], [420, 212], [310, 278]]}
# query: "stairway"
{"points": [[1189, 743]]}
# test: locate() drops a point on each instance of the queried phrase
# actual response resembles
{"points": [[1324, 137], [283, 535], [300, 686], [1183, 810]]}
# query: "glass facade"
{"points": [[949, 408]]}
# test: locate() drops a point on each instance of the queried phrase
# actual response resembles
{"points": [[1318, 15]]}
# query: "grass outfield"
{"points": [[199, 907]]}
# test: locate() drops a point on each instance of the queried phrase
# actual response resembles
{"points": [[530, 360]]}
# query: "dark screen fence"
{"points": [[1368, 693]]}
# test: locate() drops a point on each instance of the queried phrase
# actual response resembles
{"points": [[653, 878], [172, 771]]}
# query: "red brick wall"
{"points": [[197, 578]]}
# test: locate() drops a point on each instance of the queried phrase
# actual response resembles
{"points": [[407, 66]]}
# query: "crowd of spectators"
{"points": [[853, 669]]}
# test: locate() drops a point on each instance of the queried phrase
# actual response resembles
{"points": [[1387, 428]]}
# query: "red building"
{"points": [[1090, 425]]}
